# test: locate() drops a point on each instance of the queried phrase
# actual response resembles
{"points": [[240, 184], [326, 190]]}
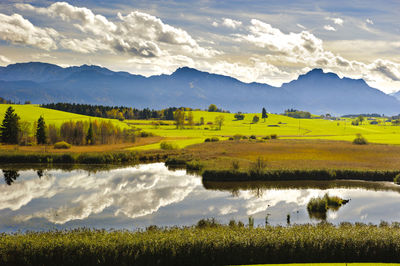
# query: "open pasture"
{"points": [[285, 127]]}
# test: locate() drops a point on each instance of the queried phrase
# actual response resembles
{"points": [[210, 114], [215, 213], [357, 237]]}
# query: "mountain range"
{"points": [[315, 91]]}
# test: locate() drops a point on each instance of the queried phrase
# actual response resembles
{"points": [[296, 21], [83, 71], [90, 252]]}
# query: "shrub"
{"points": [[145, 134], [396, 179], [207, 140], [360, 140], [230, 138], [267, 137], [173, 161], [253, 137], [214, 139], [317, 205], [258, 166], [274, 136], [244, 137], [207, 223], [237, 136], [62, 145], [235, 165], [232, 223], [239, 116], [194, 166], [168, 146], [255, 119]]}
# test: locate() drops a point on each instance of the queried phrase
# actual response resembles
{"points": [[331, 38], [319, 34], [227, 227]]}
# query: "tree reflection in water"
{"points": [[10, 176]]}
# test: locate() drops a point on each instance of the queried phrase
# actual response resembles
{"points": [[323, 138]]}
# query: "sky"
{"points": [[269, 42]]}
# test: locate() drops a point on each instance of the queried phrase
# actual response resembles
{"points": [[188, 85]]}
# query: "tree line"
{"points": [[14, 131], [114, 112]]}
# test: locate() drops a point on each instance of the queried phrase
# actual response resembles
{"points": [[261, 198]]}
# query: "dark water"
{"points": [[136, 197]]}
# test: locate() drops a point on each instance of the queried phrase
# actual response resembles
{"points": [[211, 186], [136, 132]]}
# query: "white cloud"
{"points": [[133, 192], [329, 28], [137, 33], [4, 60], [259, 52], [369, 21], [300, 26], [337, 21], [305, 51], [18, 30], [231, 23], [87, 45]]}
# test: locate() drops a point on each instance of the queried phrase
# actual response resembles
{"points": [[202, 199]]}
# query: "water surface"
{"points": [[136, 197]]}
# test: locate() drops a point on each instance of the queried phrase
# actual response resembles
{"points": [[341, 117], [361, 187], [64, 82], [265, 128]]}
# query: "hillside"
{"points": [[31, 113], [316, 91]]}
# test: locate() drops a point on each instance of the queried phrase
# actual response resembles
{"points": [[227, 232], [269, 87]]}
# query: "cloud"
{"points": [[300, 26], [133, 192], [305, 51], [337, 21], [329, 28], [369, 21], [143, 44], [387, 69], [86, 46], [18, 30], [231, 23], [4, 60], [137, 34], [294, 44]]}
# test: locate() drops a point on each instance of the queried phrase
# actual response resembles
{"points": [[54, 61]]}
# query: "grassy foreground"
{"points": [[210, 245]]}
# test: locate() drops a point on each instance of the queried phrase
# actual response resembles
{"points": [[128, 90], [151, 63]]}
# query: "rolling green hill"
{"points": [[31, 113]]}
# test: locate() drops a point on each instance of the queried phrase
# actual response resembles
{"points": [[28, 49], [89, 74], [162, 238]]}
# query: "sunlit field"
{"points": [[31, 113], [285, 127]]}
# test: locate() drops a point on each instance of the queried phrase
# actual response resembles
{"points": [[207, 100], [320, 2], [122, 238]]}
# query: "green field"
{"points": [[31, 113], [285, 127]]}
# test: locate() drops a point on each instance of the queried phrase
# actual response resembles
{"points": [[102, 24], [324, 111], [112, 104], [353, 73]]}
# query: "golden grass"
{"points": [[298, 154], [85, 148]]}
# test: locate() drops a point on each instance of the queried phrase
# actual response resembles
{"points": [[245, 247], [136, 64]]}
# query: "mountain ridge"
{"points": [[315, 91]]}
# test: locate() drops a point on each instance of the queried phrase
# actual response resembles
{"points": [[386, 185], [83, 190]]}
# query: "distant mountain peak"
{"points": [[315, 91], [186, 70]]}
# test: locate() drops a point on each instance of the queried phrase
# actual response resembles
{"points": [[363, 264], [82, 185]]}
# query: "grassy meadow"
{"points": [[31, 113], [301, 144], [285, 127]]}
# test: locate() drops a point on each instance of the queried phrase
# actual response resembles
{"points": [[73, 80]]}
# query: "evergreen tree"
{"points": [[264, 114], [90, 136], [9, 129], [41, 137]]}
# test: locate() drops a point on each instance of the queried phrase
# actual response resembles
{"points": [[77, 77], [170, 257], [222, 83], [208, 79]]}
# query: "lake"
{"points": [[136, 197]]}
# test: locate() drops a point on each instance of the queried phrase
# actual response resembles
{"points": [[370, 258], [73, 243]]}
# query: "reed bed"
{"points": [[205, 245], [122, 157], [300, 174]]}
